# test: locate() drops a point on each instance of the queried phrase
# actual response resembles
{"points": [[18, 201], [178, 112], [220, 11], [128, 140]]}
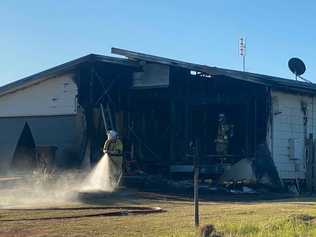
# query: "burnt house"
{"points": [[160, 107]]}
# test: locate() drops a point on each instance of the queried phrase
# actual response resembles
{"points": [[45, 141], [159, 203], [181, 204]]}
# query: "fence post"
{"points": [[196, 183]]}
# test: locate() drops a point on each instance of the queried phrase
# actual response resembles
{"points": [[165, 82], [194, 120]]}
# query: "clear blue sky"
{"points": [[37, 35]]}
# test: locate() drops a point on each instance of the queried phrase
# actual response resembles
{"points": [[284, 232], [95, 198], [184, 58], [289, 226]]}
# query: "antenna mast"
{"points": [[242, 52]]}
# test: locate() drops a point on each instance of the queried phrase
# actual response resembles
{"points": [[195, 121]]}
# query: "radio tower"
{"points": [[242, 52]]}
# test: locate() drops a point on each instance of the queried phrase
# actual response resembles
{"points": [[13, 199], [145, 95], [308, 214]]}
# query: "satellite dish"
{"points": [[297, 66]]}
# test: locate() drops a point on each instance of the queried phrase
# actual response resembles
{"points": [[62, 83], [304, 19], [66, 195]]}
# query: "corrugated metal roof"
{"points": [[271, 81]]}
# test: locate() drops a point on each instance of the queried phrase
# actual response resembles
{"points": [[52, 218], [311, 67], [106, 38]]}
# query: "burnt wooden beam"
{"points": [[172, 131]]}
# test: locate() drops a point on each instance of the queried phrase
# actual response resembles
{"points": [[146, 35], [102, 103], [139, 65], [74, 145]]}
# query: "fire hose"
{"points": [[127, 211]]}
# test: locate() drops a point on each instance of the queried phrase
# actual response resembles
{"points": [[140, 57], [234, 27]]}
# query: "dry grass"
{"points": [[291, 217]]}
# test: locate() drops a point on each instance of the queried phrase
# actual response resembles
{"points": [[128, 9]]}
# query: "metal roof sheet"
{"points": [[270, 81]]}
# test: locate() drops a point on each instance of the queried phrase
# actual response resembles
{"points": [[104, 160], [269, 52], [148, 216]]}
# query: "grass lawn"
{"points": [[232, 217]]}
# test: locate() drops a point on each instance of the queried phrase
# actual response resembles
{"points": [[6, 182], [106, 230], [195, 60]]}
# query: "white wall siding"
{"points": [[288, 123], [55, 96]]}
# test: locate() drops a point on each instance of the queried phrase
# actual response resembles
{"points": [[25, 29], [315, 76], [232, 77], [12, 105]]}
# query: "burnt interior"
{"points": [[157, 124]]}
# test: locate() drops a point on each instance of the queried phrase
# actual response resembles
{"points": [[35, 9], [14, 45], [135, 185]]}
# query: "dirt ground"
{"points": [[92, 215]]}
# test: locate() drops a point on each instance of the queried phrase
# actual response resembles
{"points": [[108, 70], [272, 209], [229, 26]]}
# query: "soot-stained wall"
{"points": [[288, 124]]}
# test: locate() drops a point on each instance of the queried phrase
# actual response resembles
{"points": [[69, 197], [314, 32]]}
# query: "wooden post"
{"points": [[186, 123], [310, 163], [255, 129], [196, 183], [247, 130], [89, 117], [314, 166], [172, 131]]}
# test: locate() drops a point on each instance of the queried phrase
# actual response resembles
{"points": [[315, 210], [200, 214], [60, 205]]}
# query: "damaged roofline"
{"points": [[266, 80], [135, 59], [61, 69]]}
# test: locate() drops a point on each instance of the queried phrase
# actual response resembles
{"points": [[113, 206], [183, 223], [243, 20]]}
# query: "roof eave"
{"points": [[67, 67]]}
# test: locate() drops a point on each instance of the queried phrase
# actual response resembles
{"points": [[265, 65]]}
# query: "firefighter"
{"points": [[224, 134], [114, 149]]}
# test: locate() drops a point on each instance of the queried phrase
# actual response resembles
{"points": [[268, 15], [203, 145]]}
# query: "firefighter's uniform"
{"points": [[114, 148]]}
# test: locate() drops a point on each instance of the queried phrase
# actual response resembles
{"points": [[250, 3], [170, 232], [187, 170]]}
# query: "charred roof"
{"points": [[270, 81], [63, 68], [136, 59]]}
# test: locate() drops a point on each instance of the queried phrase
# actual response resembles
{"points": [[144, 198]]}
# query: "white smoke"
{"points": [[43, 188]]}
